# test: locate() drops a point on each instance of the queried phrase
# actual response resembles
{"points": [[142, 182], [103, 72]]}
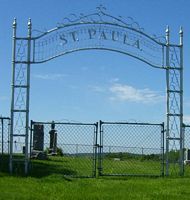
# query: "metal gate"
{"points": [[135, 149], [67, 148]]}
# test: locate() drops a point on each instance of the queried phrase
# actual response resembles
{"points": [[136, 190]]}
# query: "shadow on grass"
{"points": [[62, 167], [37, 168]]}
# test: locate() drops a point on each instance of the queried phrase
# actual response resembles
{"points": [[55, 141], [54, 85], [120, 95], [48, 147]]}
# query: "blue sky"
{"points": [[88, 86]]}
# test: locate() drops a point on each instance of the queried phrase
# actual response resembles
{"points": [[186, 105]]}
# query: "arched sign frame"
{"points": [[100, 31]]}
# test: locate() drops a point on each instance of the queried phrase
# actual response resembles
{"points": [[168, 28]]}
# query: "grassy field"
{"points": [[55, 186], [132, 166], [47, 181]]}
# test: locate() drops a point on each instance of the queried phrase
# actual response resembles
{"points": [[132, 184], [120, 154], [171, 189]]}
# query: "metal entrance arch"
{"points": [[98, 30]]}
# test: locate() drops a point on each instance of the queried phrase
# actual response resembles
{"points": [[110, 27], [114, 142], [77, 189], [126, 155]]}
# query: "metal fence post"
{"points": [[95, 148], [100, 149], [31, 135], [162, 147]]}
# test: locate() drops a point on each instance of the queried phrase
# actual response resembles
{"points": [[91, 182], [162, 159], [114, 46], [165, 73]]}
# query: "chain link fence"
{"points": [[82, 150], [67, 148], [186, 129], [186, 136], [131, 149], [4, 134], [4, 142]]}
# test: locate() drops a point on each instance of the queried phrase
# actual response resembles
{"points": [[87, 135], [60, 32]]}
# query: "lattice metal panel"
{"points": [[20, 87], [174, 76]]}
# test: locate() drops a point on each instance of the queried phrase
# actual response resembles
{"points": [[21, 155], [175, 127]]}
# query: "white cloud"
{"points": [[96, 88], [186, 119], [129, 93], [51, 77], [114, 80]]}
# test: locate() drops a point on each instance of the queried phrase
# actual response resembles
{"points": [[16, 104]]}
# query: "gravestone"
{"points": [[53, 139], [38, 137], [187, 156]]}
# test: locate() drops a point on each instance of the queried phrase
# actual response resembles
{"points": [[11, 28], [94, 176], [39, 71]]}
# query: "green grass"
{"points": [[83, 166], [47, 181], [132, 166], [76, 167], [55, 186]]}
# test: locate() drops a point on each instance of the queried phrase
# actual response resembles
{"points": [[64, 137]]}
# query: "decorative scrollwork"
{"points": [[100, 16]]}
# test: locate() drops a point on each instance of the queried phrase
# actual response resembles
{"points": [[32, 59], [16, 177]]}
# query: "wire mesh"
{"points": [[4, 135], [4, 142], [187, 137], [69, 146], [187, 150], [131, 149]]}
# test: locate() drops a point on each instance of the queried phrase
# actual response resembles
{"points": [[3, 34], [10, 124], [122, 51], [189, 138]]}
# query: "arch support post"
{"points": [[28, 96], [19, 130], [181, 105], [174, 87], [12, 97]]}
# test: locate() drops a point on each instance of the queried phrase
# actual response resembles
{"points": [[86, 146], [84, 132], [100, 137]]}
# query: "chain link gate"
{"points": [[4, 142], [186, 147], [135, 149], [69, 147]]}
